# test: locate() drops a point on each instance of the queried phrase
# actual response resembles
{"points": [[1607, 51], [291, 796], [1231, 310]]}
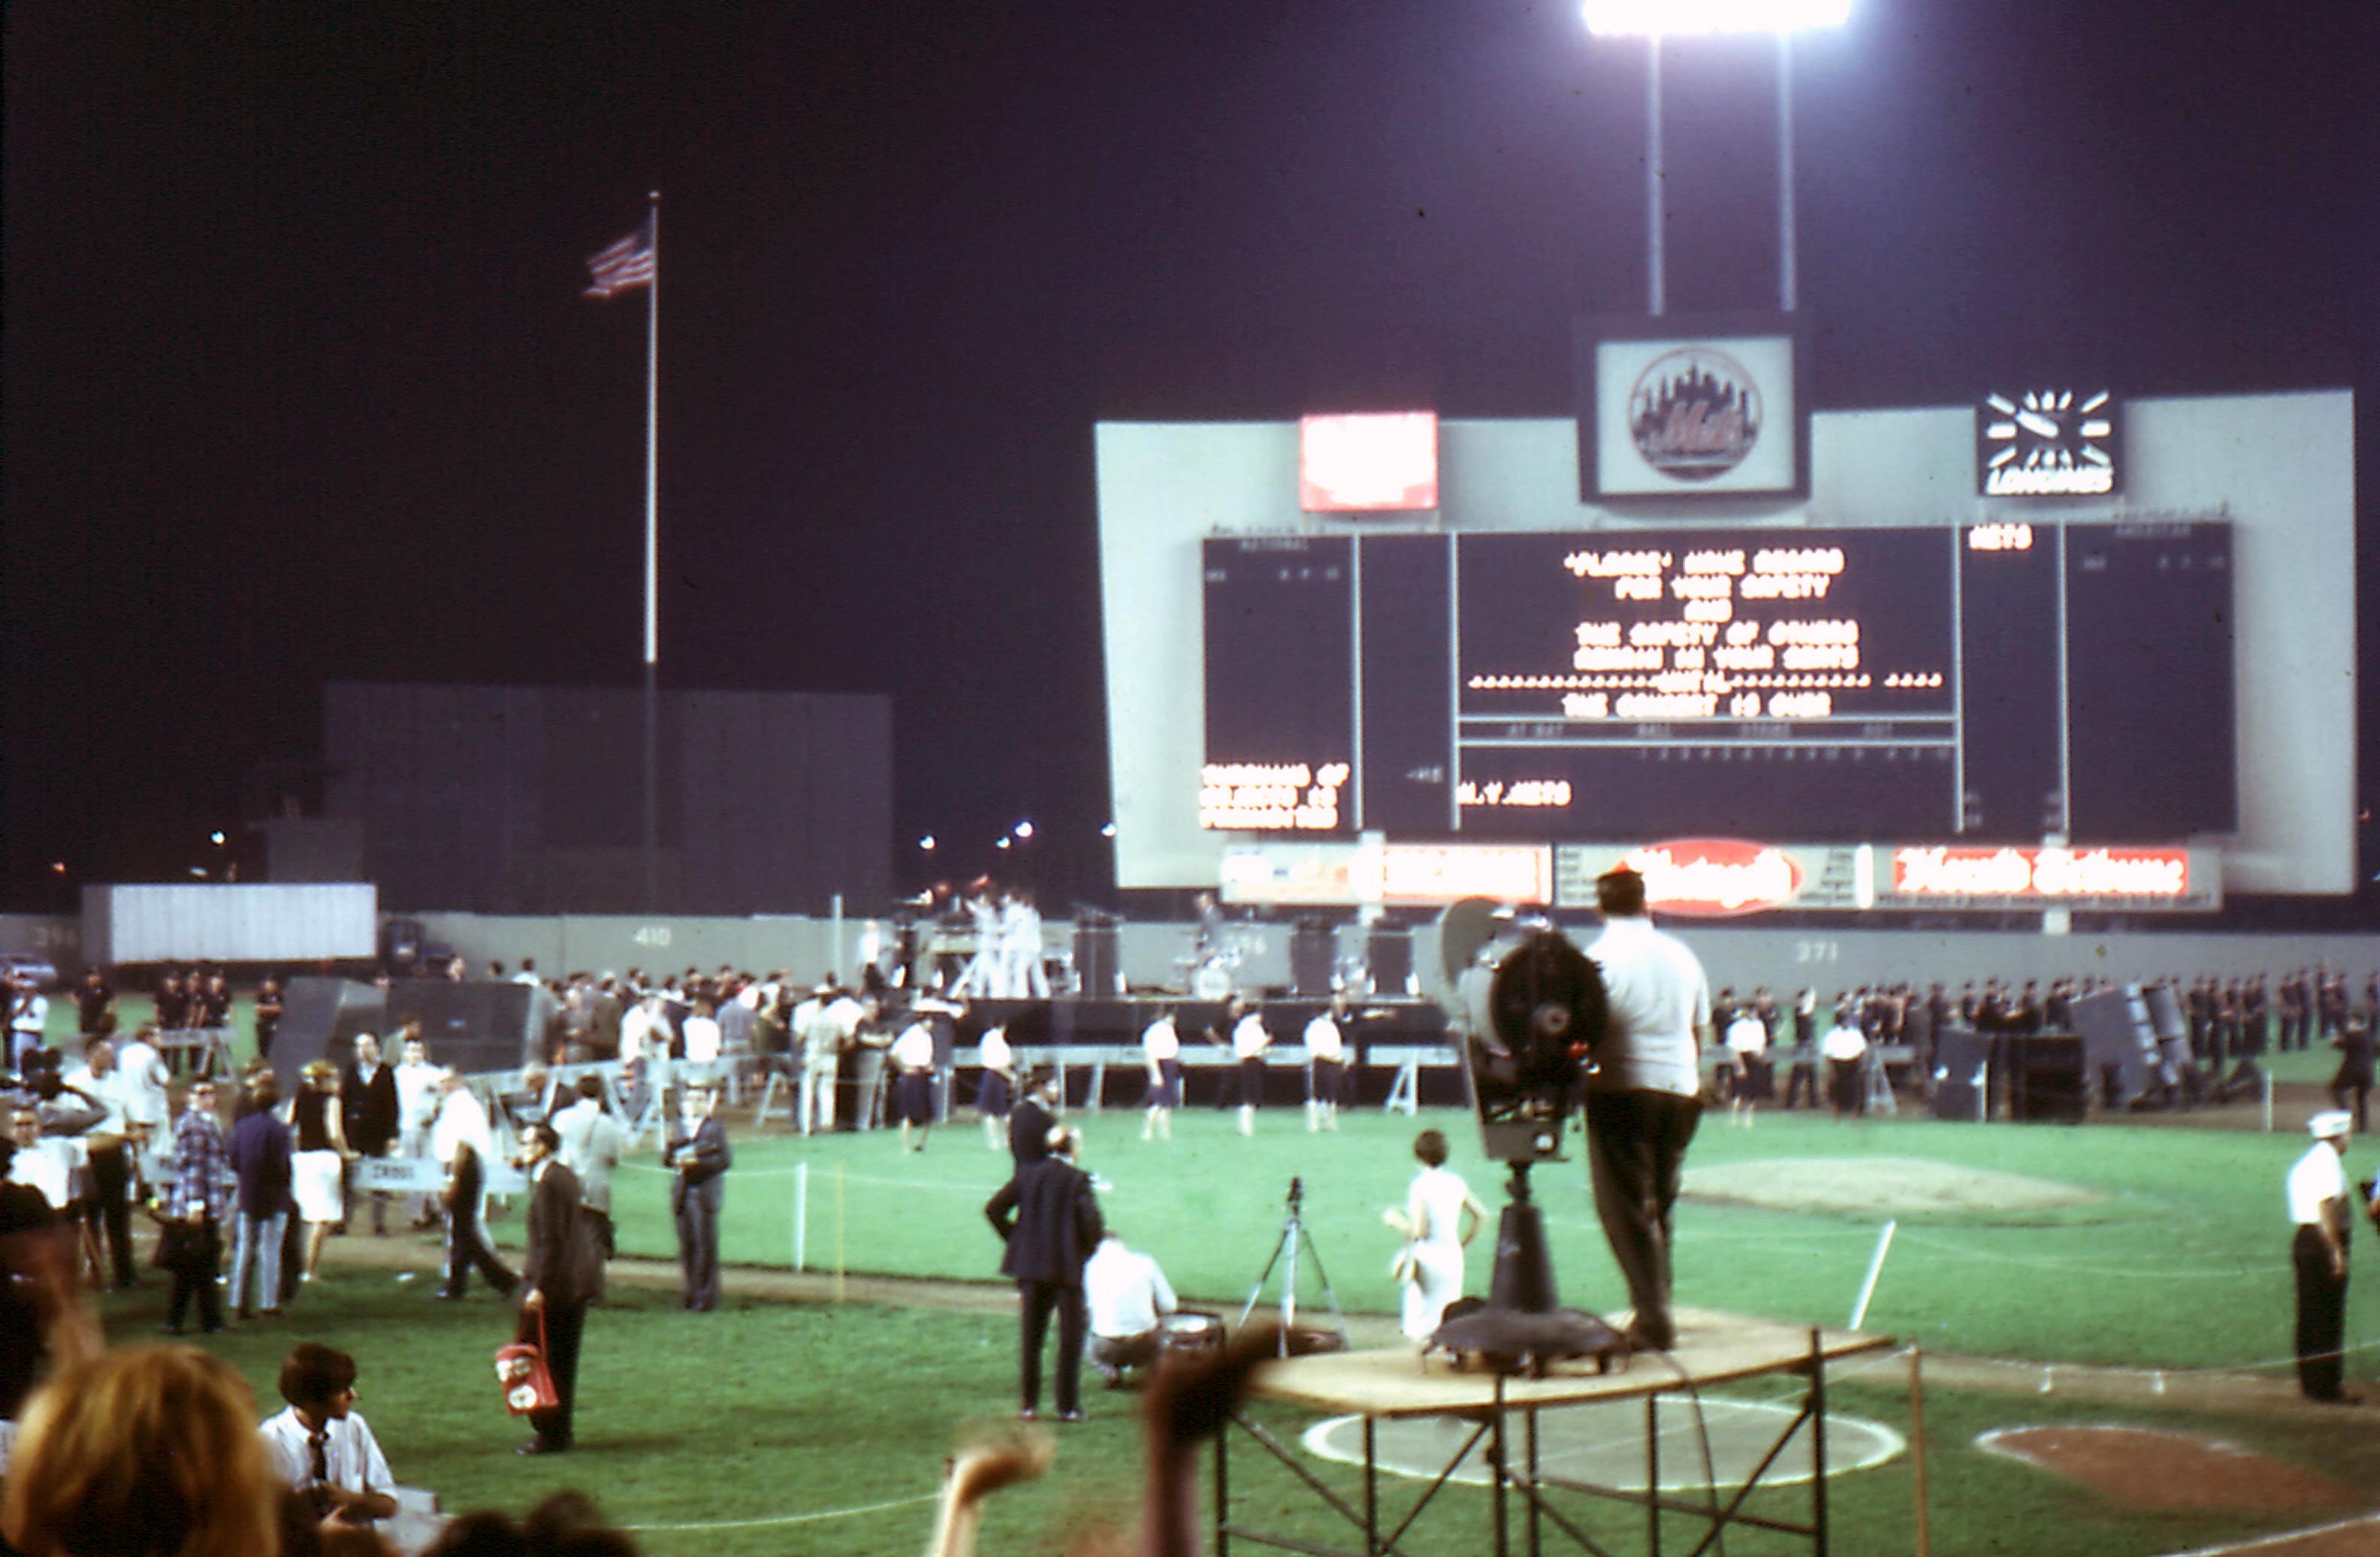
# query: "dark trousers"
{"points": [[2322, 1317], [1801, 1081], [698, 1252], [198, 1253], [1324, 1080], [1040, 1297], [1844, 1079], [2353, 1094], [565, 1326], [1636, 1152], [378, 1197], [111, 1172], [466, 1250], [1251, 1092]]}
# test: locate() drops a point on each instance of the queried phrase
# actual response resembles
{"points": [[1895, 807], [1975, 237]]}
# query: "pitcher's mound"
{"points": [[1888, 1185], [2168, 1471]]}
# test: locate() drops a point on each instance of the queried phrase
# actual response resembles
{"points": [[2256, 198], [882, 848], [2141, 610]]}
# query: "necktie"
{"points": [[318, 1447]]}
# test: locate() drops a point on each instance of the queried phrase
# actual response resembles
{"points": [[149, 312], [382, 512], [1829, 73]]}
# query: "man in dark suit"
{"points": [[559, 1274], [697, 1148], [367, 1110], [1029, 1122], [1050, 1219]]}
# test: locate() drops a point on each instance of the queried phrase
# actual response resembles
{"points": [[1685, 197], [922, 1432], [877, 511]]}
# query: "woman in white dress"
{"points": [[1432, 1222]]}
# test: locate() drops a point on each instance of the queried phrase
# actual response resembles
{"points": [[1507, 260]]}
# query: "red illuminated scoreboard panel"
{"points": [[1998, 682]]}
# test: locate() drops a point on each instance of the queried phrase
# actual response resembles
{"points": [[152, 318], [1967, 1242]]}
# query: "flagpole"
{"points": [[652, 559]]}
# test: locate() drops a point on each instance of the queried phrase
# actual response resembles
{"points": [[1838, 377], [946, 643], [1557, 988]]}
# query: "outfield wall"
{"points": [[1151, 955]]}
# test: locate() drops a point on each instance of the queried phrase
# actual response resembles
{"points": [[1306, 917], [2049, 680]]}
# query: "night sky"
{"points": [[299, 385]]}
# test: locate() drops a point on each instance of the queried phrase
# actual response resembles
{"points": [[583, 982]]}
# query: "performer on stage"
{"points": [[1160, 1049], [1326, 1065], [1643, 1100], [1023, 976]]}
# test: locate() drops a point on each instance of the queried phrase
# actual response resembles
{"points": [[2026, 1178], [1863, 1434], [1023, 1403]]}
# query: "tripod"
{"points": [[1294, 1237]]}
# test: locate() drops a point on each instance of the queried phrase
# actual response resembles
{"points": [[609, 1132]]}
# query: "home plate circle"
{"points": [[1603, 1442]]}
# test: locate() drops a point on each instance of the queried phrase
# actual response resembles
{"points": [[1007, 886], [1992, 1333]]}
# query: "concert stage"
{"points": [[1502, 1416], [1392, 1044]]}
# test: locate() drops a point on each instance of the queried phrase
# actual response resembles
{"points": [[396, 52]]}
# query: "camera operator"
{"points": [[1643, 1101]]}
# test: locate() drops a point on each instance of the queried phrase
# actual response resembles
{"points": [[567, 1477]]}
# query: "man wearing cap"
{"points": [[2317, 1197], [1644, 1098]]}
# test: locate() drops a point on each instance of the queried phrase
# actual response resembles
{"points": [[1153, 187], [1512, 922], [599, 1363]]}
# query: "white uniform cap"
{"points": [[2334, 1121]]}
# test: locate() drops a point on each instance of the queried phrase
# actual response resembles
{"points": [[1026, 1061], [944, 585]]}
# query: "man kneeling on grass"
{"points": [[1126, 1294]]}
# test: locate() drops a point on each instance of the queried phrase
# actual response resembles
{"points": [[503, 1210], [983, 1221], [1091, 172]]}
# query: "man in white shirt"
{"points": [[1160, 1050], [2318, 1200], [108, 1157], [833, 1027], [913, 1079], [46, 1163], [1747, 1043], [318, 1446], [1250, 1038], [1845, 1049], [1326, 1065], [416, 1109], [1644, 1099], [28, 1015], [1126, 1296], [592, 1144], [462, 1139], [995, 1093]]}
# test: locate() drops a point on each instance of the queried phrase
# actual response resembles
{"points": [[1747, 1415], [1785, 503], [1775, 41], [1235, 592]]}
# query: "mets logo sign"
{"points": [[1695, 413]]}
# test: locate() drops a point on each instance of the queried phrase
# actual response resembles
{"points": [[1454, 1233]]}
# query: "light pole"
{"points": [[1653, 20]]}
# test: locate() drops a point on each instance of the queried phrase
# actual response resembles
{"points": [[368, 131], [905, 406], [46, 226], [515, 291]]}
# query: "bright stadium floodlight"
{"points": [[1655, 19], [1678, 19], [1025, 829]]}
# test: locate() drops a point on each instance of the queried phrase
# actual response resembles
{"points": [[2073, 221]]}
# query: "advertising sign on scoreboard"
{"points": [[1368, 463]]}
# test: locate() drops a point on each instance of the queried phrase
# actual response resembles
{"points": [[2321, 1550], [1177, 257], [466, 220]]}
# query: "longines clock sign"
{"points": [[2050, 442]]}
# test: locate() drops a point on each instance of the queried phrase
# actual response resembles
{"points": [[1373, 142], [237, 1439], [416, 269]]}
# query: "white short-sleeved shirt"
{"points": [[1160, 1041], [913, 1049], [1123, 1291], [1249, 1038], [110, 1091], [1747, 1035], [416, 1096], [349, 1452], [701, 1037], [1844, 1041], [1323, 1041], [2319, 1175], [991, 1050], [1658, 999]]}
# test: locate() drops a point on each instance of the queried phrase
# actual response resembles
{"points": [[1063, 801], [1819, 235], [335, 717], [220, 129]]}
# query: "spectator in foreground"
{"points": [[566, 1524], [149, 1452], [320, 1447]]}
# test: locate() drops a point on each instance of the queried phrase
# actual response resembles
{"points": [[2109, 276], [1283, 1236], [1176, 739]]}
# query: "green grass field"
{"points": [[817, 1427]]}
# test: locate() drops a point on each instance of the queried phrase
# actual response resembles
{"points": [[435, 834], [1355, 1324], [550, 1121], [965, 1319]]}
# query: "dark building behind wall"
{"points": [[529, 799]]}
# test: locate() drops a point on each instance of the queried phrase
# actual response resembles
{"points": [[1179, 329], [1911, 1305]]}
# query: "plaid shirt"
{"points": [[201, 1167]]}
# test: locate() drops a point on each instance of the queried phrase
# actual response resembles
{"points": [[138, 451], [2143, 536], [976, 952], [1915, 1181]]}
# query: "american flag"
{"points": [[625, 266]]}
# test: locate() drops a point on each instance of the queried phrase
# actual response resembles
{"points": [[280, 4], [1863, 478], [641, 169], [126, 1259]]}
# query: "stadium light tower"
{"points": [[1655, 19]]}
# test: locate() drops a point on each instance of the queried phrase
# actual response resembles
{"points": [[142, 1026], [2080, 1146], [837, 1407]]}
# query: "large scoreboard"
{"points": [[2000, 682]]}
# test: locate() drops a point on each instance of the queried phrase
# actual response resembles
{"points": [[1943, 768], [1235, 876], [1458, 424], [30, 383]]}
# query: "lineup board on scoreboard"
{"points": [[1998, 681]]}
